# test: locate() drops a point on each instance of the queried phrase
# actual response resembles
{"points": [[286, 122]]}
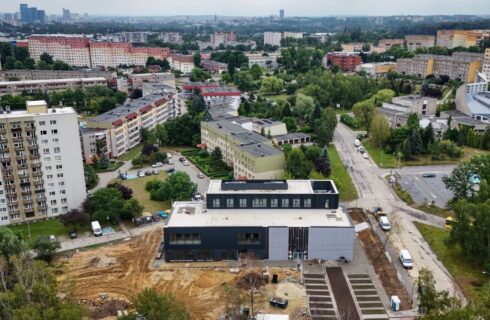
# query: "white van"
{"points": [[384, 223], [406, 259], [96, 229]]}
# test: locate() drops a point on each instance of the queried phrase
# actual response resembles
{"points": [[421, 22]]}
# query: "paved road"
{"points": [[426, 190], [375, 191]]}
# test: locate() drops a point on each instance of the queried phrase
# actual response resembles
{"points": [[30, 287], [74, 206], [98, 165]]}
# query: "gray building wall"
{"points": [[330, 243], [278, 243]]}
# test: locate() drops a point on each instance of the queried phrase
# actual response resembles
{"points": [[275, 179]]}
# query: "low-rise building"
{"points": [[95, 142], [269, 127], [377, 69], [8, 75], [265, 60], [346, 61], [210, 93], [388, 43], [415, 42], [182, 63], [251, 155], [268, 220], [150, 88], [33, 86], [294, 139], [214, 66], [124, 122], [165, 78], [398, 111], [473, 99]]}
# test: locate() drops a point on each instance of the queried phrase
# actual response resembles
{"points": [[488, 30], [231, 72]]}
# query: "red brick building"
{"points": [[347, 61]]}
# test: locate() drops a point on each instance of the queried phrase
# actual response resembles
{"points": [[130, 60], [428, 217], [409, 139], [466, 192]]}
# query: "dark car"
{"points": [[169, 170], [155, 217], [73, 235], [181, 159], [429, 175], [148, 173]]}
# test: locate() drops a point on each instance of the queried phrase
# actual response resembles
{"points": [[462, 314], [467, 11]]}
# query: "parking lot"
{"points": [[425, 190]]}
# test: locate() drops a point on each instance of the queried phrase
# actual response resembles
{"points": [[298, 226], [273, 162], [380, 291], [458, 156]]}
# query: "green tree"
{"points": [[313, 153], [74, 218], [325, 127], [291, 124], [151, 305], [315, 115], [364, 112], [407, 149], [256, 72], [47, 58], [131, 209], [304, 106], [296, 164], [10, 244], [45, 249], [416, 142], [197, 103], [161, 135], [379, 130], [197, 59], [431, 301], [177, 187], [217, 158], [198, 74], [105, 204], [271, 85], [91, 178], [459, 181]]}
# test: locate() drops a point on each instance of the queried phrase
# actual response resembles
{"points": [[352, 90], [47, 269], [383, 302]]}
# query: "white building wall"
{"points": [[4, 216]]}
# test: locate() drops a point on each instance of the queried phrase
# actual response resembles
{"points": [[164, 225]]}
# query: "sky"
{"points": [[256, 7]]}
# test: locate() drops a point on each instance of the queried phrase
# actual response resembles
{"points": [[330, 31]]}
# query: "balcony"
{"points": [[3, 139], [41, 199], [3, 130], [19, 148], [34, 156], [12, 193], [23, 175], [27, 201], [17, 139], [20, 157], [33, 146], [36, 164], [28, 210], [5, 149], [22, 166], [31, 138], [14, 211], [42, 207], [10, 187], [30, 128], [26, 191], [37, 174]]}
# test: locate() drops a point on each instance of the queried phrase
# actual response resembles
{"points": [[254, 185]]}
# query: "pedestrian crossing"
{"points": [[368, 195]]}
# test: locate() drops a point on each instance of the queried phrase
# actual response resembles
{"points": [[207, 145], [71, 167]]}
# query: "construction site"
{"points": [[106, 278]]}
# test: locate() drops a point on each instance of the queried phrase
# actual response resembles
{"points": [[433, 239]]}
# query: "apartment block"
{"points": [[456, 38], [461, 65], [273, 38], [124, 122], [171, 37], [182, 63], [415, 42], [251, 155], [131, 37], [6, 75], [41, 163], [265, 60], [486, 63], [399, 109], [388, 43], [33, 86], [214, 66], [294, 35], [347, 61], [377, 69], [137, 79], [110, 54], [95, 141]]}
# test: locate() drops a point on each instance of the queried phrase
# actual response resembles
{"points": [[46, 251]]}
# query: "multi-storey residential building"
{"points": [[273, 38], [170, 37], [182, 63], [456, 38], [210, 93], [419, 41], [6, 75], [377, 69], [72, 49], [265, 60], [251, 155], [33, 86], [95, 142], [347, 61], [132, 37], [31, 15], [266, 219], [294, 35], [41, 163], [124, 122], [137, 79], [461, 65], [388, 43], [486, 63], [214, 66], [80, 51]]}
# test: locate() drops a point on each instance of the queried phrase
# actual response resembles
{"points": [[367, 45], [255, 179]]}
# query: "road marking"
{"points": [[416, 178], [433, 196], [368, 195]]}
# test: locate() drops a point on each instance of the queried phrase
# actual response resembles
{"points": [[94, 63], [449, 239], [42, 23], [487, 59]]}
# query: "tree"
{"points": [[271, 85], [407, 149], [197, 103], [459, 181], [144, 134], [313, 153], [198, 74], [304, 106], [45, 249], [251, 282], [432, 302], [217, 158], [322, 164], [105, 204], [379, 130], [256, 72], [126, 192], [177, 187], [74, 217], [363, 111], [297, 165], [131, 209], [428, 136], [197, 59], [10, 244], [416, 142], [291, 124], [151, 305], [325, 127], [47, 58], [161, 135]]}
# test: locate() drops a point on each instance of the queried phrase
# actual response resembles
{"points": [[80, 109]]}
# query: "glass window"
{"points": [[44, 132], [230, 203], [296, 203], [54, 131], [274, 203], [307, 203], [42, 123], [52, 122], [259, 203], [285, 203], [184, 238], [216, 203], [248, 238], [327, 204], [243, 203]]}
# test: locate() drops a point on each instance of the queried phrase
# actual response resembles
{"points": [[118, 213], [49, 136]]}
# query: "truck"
{"points": [[378, 212], [96, 229]]}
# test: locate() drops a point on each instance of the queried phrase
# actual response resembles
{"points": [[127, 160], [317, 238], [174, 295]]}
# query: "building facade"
{"points": [[124, 122], [377, 69], [415, 42], [6, 75], [388, 43], [456, 38], [260, 219], [267, 61], [273, 38], [214, 66], [486, 63], [33, 86], [136, 80], [346, 61], [41, 163], [94, 143], [171, 37], [182, 63]]}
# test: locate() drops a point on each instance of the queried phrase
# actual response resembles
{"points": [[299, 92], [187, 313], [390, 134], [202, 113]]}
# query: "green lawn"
{"points": [[114, 165], [382, 159], [143, 196], [468, 276], [204, 164], [440, 212], [131, 154], [340, 176], [44, 229]]}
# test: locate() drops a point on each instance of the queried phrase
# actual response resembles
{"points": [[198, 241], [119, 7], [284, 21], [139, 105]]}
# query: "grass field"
{"points": [[467, 275], [44, 229], [341, 177], [382, 159], [143, 196]]}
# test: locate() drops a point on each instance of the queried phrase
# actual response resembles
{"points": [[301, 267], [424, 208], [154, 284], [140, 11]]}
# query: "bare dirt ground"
{"points": [[118, 272]]}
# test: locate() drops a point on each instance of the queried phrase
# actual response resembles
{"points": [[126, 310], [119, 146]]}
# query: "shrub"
{"points": [[349, 121]]}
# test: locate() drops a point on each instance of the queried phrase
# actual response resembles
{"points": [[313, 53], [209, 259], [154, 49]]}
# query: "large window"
{"points": [[230, 203], [259, 203], [248, 238], [307, 203], [285, 203], [216, 203], [184, 238], [296, 203], [274, 203], [243, 203]]}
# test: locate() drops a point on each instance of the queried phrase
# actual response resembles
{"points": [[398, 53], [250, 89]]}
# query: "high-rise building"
{"points": [[31, 14], [486, 63], [66, 17], [456, 38], [419, 41], [41, 163], [272, 38], [281, 13]]}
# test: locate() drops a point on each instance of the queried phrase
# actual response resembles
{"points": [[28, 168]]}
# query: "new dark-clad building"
{"points": [[269, 219]]}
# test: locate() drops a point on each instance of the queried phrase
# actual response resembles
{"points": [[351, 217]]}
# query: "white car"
{"points": [[157, 165], [365, 155], [186, 163], [406, 259], [140, 174], [169, 156]]}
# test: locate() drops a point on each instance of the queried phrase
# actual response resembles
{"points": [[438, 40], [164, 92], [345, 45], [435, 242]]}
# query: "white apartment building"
{"points": [[486, 63], [182, 63], [294, 35], [72, 49], [33, 86], [265, 60], [41, 163], [272, 38], [124, 122]]}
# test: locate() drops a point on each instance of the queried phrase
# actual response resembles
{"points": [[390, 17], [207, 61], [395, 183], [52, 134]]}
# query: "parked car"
{"points": [[357, 143], [186, 163], [406, 259], [140, 174], [361, 149], [73, 234], [200, 175], [365, 155], [157, 165], [182, 159], [169, 156], [155, 172], [155, 217], [96, 229], [429, 175], [148, 173], [384, 223], [197, 196], [170, 170], [278, 302]]}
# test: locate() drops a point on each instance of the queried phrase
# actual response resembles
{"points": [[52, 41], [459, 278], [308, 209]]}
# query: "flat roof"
{"points": [[194, 214], [8, 83], [24, 113], [293, 187], [478, 103]]}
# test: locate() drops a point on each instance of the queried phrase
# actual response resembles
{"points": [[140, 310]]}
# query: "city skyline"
{"points": [[257, 7]]}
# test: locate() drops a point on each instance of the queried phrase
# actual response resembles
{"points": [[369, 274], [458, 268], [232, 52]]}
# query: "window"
{"points": [[64, 201], [184, 238], [44, 141], [216, 203], [49, 176], [46, 150], [60, 175], [56, 140], [61, 183], [54, 210], [56, 149], [57, 158], [285, 203], [59, 166], [63, 191], [243, 203], [259, 203], [52, 193], [307, 203], [48, 168], [248, 238], [230, 203], [42, 123], [274, 203], [296, 203], [53, 202], [51, 184], [44, 132], [47, 158], [52, 122], [54, 131]]}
